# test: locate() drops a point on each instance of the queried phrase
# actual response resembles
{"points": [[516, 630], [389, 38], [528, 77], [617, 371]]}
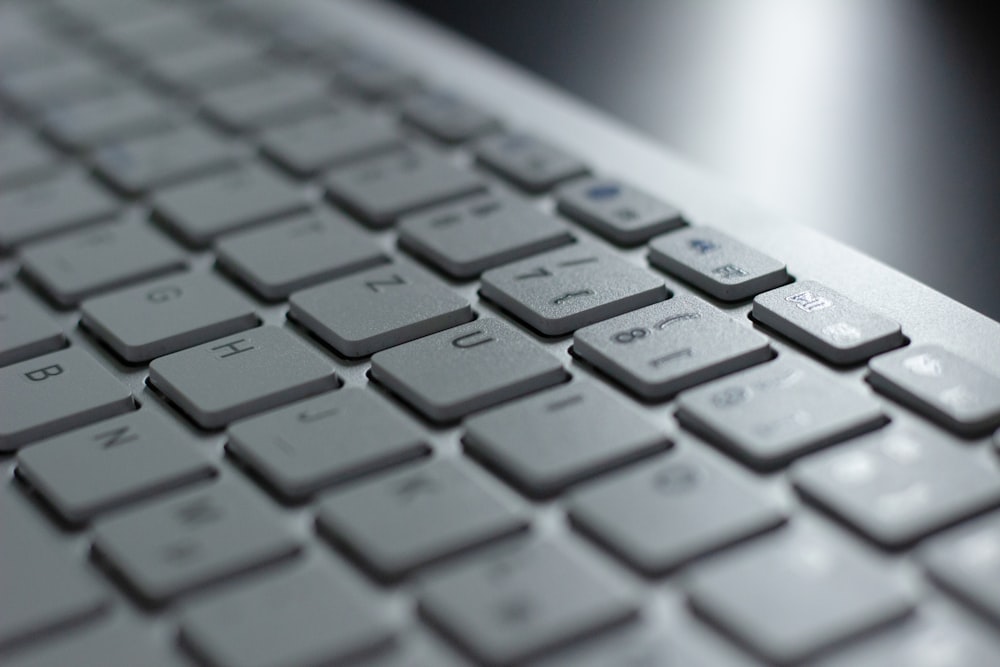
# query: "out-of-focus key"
{"points": [[161, 34], [230, 378], [565, 289], [74, 267], [24, 158], [379, 308], [90, 123], [112, 463], [450, 374], [771, 414], [156, 318], [64, 201], [76, 80], [793, 594], [528, 162], [717, 263], [942, 385], [256, 104], [616, 211], [967, 561], [827, 323], [225, 62], [25, 329], [56, 392], [662, 349], [374, 77], [465, 238], [201, 211], [446, 117], [384, 187]]}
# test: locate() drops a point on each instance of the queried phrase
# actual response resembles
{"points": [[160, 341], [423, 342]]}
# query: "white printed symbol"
{"points": [[853, 468], [842, 333], [924, 364], [808, 301]]}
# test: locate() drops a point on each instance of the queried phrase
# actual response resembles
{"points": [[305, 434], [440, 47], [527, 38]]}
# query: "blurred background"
{"points": [[875, 121]]}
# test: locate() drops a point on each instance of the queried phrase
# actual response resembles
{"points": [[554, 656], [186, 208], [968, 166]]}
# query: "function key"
{"points": [[528, 162], [619, 212]]}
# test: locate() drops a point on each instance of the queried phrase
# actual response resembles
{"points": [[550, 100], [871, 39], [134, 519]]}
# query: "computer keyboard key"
{"points": [[56, 392], [341, 133], [464, 239], [75, 266], [898, 485], [525, 600], [76, 80], [203, 210], [827, 323], [665, 348], [139, 165], [156, 318], [166, 548], [325, 440], [25, 159], [790, 595], [569, 288], [404, 520], [287, 256], [446, 117], [379, 308], [554, 439], [90, 123], [717, 263], [112, 463], [769, 415], [453, 373], [966, 560], [44, 587], [664, 514], [224, 62], [231, 378], [374, 78], [948, 388], [258, 103], [25, 329], [160, 34], [618, 212], [64, 201], [383, 187], [301, 616], [527, 161]]}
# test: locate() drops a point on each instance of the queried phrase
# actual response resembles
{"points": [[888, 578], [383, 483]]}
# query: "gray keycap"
{"points": [[325, 440], [404, 520], [116, 641], [827, 323], [772, 414], [662, 349], [284, 257], [944, 386], [384, 187], [898, 485], [221, 63], [663, 514], [378, 309], [565, 289], [156, 318], [65, 201], [25, 158], [527, 161], [616, 211], [109, 464], [73, 267], [93, 122], [374, 78], [967, 561], [201, 211], [466, 238], [795, 593], [25, 329], [139, 165], [161, 34], [717, 263], [43, 587], [447, 117], [258, 103], [301, 616], [549, 441], [525, 600], [47, 395], [450, 374], [166, 548], [231, 378], [76, 80], [340, 134]]}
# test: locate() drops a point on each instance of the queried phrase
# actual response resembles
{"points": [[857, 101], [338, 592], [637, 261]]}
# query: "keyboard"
{"points": [[328, 338]]}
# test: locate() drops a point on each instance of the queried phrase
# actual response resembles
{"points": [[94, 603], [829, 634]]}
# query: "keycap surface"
{"points": [[230, 378], [617, 211], [79, 79], [966, 560], [25, 329], [25, 158], [89, 123], [226, 61], [446, 117], [374, 77], [403, 520], [527, 161], [259, 103], [325, 440], [669, 346], [452, 373]]}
